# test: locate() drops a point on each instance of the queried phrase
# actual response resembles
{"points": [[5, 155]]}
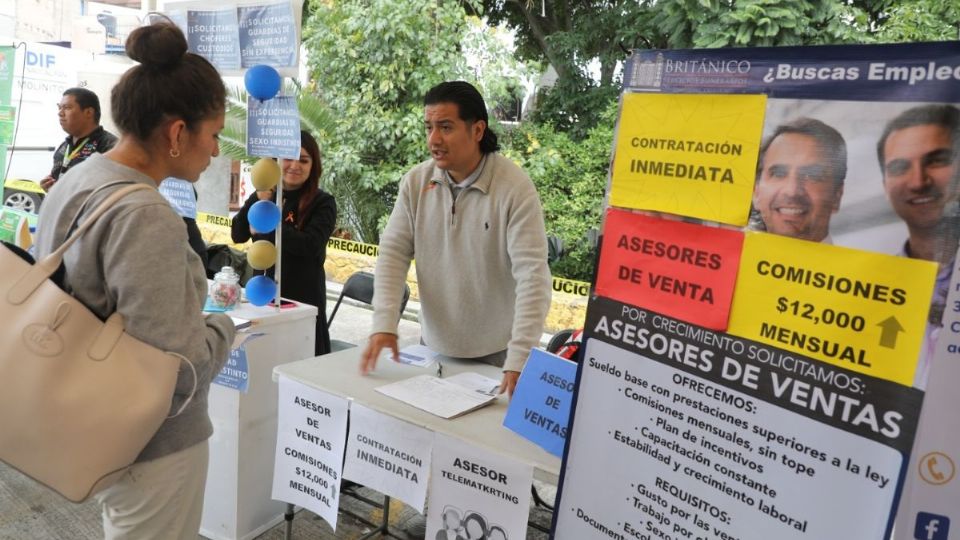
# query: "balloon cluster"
{"points": [[263, 83]]}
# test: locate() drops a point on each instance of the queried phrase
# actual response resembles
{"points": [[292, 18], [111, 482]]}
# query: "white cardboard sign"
{"points": [[388, 455], [311, 429], [476, 494]]}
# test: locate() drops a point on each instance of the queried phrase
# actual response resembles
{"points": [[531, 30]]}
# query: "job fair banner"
{"points": [[767, 347], [239, 34]]}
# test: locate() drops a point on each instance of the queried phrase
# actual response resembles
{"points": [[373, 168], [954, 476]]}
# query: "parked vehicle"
{"points": [[23, 195]]}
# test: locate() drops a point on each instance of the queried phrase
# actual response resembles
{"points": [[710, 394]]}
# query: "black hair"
{"points": [[85, 99], [945, 116], [312, 185], [169, 83], [829, 141], [471, 108]]}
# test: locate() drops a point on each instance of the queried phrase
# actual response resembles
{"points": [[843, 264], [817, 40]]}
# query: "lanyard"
{"points": [[76, 150]]}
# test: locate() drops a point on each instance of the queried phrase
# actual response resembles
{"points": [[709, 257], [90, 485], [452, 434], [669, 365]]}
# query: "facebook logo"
{"points": [[931, 527]]}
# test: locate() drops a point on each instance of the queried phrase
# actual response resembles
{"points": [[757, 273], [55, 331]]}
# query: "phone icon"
{"points": [[937, 468], [932, 469]]}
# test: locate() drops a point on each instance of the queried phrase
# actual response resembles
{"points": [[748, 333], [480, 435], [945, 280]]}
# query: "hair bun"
{"points": [[160, 45]]}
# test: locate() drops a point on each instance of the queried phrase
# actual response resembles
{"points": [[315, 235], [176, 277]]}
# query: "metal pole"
{"points": [[278, 236]]}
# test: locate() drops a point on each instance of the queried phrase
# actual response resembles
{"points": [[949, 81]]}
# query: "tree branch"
{"points": [[540, 36]]}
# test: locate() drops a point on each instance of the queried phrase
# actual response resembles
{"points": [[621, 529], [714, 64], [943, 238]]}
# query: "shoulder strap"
{"points": [[44, 268]]}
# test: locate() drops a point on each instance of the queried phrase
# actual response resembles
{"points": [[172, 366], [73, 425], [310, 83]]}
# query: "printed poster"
{"points": [[837, 327], [721, 437], [311, 430], [476, 494], [680, 269], [388, 455], [539, 410], [691, 155], [273, 127]]}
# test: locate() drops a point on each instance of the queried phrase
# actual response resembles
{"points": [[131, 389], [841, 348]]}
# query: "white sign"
{"points": [[388, 455], [476, 494], [684, 457], [931, 494], [311, 429]]}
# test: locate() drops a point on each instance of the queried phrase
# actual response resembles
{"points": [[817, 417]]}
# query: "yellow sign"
{"points": [[569, 286], [858, 310], [213, 219], [351, 246], [691, 155]]}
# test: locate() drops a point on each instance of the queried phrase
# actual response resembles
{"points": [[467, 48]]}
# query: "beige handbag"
{"points": [[79, 398]]}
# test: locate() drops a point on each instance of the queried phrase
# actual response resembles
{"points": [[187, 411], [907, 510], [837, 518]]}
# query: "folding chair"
{"points": [[359, 287]]}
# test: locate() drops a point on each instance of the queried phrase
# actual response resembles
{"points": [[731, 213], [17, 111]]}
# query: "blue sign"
{"points": [[268, 35], [931, 527], [540, 407], [273, 127], [914, 72], [179, 193], [214, 35], [235, 373]]}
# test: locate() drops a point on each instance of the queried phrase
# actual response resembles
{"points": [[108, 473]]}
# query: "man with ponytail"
{"points": [[472, 220]]}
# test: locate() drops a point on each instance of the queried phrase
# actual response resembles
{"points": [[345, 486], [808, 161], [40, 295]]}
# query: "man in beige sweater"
{"points": [[472, 220]]}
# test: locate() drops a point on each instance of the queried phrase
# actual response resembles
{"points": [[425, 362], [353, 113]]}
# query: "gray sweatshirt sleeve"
{"points": [[527, 247], [393, 262], [159, 290]]}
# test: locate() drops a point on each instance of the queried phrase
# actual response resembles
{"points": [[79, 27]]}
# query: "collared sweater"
{"points": [[136, 261], [482, 269]]}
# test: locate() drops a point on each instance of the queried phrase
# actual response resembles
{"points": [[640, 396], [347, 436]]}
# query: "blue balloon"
{"points": [[261, 290], [264, 216], [262, 82]]}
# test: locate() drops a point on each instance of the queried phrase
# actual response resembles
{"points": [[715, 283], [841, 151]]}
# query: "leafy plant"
{"points": [[570, 176]]}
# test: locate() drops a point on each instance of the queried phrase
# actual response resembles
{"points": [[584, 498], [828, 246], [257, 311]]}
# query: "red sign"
{"points": [[683, 270]]}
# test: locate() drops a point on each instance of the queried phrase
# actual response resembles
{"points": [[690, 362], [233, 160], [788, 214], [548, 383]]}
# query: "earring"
{"points": [[174, 153]]}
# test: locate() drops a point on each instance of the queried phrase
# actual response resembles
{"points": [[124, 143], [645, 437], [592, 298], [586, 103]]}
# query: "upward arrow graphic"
{"points": [[891, 330]]}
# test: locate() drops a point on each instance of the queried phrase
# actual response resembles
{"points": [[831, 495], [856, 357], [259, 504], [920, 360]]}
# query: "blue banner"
{"points": [[215, 36], [235, 373], [915, 72], [179, 193], [273, 127], [268, 35], [540, 408]]}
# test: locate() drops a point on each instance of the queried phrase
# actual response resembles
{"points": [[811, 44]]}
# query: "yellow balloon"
{"points": [[265, 174], [262, 255]]}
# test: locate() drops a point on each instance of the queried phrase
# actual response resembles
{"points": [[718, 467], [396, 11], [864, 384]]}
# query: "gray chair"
{"points": [[359, 287]]}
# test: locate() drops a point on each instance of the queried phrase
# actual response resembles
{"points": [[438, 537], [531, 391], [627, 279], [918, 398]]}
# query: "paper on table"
{"points": [[436, 396], [476, 382], [417, 355]]}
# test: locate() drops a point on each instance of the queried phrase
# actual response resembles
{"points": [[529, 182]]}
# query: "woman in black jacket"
{"points": [[308, 219]]}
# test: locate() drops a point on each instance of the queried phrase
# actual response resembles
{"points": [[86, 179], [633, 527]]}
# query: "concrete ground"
{"points": [[31, 512]]}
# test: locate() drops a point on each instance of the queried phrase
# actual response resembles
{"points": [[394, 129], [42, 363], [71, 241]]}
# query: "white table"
{"points": [[237, 504], [338, 374]]}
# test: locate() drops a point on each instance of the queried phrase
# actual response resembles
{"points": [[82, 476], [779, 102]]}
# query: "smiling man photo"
{"points": [[800, 177]]}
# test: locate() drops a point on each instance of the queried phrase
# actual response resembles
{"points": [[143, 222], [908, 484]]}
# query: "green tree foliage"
{"points": [[570, 176], [576, 38], [757, 23], [372, 62], [921, 20]]}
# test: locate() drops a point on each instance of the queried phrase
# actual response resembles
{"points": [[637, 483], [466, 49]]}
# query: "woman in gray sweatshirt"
{"points": [[136, 261]]}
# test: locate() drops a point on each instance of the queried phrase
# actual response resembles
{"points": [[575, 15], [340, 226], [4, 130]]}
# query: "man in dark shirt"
{"points": [[80, 118]]}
